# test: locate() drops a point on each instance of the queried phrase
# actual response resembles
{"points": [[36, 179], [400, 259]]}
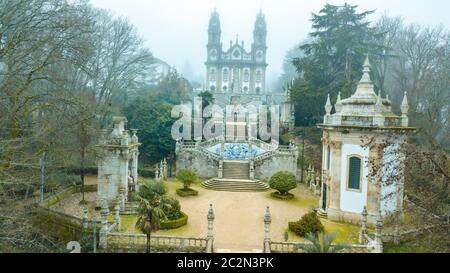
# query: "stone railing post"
{"points": [[104, 228], [122, 197], [85, 219], [252, 169], [378, 243], [267, 221], [220, 172], [117, 214], [210, 236], [363, 231]]}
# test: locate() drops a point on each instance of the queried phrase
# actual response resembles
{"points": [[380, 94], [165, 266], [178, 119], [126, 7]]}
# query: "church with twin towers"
{"points": [[236, 70], [238, 76]]}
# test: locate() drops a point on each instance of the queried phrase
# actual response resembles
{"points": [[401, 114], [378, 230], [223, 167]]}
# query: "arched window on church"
{"points": [[246, 75], [258, 76], [354, 173], [225, 75], [213, 75]]}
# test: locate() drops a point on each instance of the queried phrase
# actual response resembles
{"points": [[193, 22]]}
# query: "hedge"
{"points": [[147, 173], [172, 224]]}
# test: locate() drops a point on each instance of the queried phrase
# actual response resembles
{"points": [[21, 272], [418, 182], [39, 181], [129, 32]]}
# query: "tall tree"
{"points": [[332, 63]]}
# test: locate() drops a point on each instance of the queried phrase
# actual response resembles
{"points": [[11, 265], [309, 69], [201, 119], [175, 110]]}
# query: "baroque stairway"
{"points": [[235, 179]]}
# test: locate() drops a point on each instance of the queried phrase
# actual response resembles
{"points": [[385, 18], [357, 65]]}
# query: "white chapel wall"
{"points": [[353, 201]]}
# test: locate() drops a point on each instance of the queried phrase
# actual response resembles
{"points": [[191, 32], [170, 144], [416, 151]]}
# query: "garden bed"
{"points": [[177, 223], [186, 192]]}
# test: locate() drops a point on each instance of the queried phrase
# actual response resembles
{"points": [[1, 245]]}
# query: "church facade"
{"points": [[238, 76], [236, 70]]}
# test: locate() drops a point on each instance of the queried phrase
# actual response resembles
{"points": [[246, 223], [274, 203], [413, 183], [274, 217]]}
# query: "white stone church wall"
{"points": [[390, 169], [350, 200]]}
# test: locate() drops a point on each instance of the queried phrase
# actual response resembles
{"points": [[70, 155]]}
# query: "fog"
{"points": [[176, 30]]}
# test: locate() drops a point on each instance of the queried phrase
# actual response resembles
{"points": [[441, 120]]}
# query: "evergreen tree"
{"points": [[333, 59]]}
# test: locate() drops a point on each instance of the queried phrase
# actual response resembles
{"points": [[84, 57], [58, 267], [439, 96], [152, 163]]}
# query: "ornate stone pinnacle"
{"points": [[211, 215], [338, 105], [366, 71], [328, 105], [379, 222], [405, 106], [364, 212], [379, 101], [267, 216], [104, 210]]}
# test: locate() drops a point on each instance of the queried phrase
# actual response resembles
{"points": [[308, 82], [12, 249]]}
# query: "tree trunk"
{"points": [[83, 156], [148, 242]]}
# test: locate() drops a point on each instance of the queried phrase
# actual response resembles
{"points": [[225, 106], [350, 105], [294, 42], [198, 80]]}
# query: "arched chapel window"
{"points": [[225, 75], [246, 75], [354, 173], [258, 76], [213, 75]]}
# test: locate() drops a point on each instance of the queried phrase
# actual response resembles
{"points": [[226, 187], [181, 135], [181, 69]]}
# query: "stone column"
{"points": [[104, 228], [374, 182], [85, 219], [363, 231], [378, 244], [220, 172], [124, 172], [122, 199], [267, 221], [117, 213], [210, 218], [401, 180], [335, 175], [210, 236]]}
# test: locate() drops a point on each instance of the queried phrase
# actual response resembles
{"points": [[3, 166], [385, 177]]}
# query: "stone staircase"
{"points": [[236, 169], [235, 185], [236, 178], [130, 208]]}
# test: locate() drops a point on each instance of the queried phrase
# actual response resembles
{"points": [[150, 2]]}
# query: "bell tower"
{"points": [[214, 49], [259, 49]]}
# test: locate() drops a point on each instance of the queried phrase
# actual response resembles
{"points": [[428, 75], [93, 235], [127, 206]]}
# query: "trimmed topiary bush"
{"points": [[309, 223], [283, 182], [172, 224]]}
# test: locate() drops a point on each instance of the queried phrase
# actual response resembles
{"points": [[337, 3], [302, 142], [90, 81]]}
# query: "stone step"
{"points": [[235, 185], [322, 214]]}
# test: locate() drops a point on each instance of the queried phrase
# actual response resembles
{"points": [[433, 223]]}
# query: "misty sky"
{"points": [[176, 30]]}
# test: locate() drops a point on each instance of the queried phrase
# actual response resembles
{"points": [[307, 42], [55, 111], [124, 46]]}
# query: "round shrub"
{"points": [[309, 223], [150, 187], [283, 182], [187, 177], [171, 207]]}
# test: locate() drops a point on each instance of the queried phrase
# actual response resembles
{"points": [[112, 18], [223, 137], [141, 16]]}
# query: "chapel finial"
{"points": [[338, 105], [366, 70], [328, 105], [405, 106]]}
